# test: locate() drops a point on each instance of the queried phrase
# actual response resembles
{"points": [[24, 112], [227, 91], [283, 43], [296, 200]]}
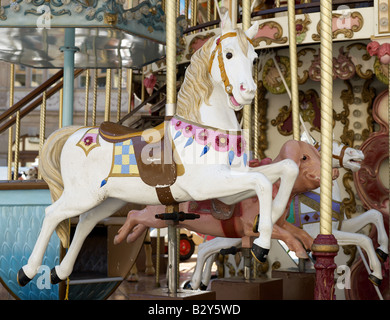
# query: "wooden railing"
{"points": [[311, 7]]}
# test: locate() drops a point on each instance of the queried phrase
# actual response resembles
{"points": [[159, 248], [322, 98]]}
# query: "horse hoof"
{"points": [[22, 278], [202, 287], [381, 255], [54, 278], [259, 253], [376, 281], [187, 285]]}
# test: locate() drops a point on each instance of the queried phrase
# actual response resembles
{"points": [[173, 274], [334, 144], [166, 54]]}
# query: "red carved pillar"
{"points": [[324, 249]]}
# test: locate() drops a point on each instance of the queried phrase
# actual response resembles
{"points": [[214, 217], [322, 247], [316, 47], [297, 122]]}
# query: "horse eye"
{"points": [[229, 55], [304, 158]]}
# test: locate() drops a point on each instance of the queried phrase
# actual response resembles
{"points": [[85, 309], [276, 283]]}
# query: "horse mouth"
{"points": [[355, 164], [234, 104]]}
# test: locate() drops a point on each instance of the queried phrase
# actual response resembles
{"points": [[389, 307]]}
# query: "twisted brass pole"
{"points": [[171, 58], [256, 116], [86, 98], [170, 108], [293, 69], [119, 105], [42, 125], [107, 111], [94, 98], [326, 117], [246, 23], [10, 132]]}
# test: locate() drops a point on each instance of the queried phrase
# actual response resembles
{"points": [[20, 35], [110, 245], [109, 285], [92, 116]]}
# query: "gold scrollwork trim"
{"points": [[191, 50], [361, 46], [277, 36], [302, 53], [347, 32]]}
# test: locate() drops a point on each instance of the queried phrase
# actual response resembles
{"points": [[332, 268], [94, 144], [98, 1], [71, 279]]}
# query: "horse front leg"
{"points": [[221, 183], [87, 222], [287, 171]]}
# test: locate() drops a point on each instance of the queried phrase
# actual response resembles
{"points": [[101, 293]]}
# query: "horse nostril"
{"points": [[242, 88]]}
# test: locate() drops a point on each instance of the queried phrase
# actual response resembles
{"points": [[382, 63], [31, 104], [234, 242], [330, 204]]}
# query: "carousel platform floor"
{"points": [[145, 283]]}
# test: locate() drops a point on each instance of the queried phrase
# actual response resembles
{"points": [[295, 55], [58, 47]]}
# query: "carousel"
{"points": [[260, 125]]}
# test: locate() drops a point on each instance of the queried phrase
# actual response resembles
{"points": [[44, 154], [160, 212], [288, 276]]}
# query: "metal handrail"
{"points": [[33, 105], [32, 95]]}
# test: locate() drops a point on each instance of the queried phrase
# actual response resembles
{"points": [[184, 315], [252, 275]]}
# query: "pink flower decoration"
{"points": [[203, 136], [178, 124], [221, 142], [88, 140], [239, 146], [188, 130]]}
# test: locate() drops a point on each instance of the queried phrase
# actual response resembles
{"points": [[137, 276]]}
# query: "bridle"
{"points": [[339, 158], [224, 77]]}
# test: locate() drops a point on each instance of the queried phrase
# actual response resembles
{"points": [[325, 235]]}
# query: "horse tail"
{"points": [[50, 169]]}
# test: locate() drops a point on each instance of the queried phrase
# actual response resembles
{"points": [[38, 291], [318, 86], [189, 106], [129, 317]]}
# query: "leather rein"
{"points": [[225, 79]]}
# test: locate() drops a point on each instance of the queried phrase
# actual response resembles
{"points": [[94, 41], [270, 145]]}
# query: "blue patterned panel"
{"points": [[19, 229]]}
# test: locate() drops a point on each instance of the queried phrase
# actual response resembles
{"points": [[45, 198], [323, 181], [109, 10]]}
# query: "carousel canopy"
{"points": [[106, 35]]}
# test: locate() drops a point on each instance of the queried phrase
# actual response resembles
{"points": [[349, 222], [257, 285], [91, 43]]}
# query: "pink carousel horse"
{"points": [[306, 218], [239, 222], [197, 154]]}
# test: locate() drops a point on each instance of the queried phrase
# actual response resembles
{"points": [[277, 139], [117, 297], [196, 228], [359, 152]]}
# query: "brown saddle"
{"points": [[215, 207], [154, 153]]}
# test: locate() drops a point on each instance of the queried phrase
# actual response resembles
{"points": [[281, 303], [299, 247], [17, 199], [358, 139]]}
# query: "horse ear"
{"points": [[252, 31], [226, 23]]}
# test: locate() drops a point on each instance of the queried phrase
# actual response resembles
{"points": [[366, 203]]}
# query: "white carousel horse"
{"points": [[98, 170], [345, 231], [343, 156]]}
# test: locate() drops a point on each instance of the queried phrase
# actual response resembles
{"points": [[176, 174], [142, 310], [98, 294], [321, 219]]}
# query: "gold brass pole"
{"points": [[169, 111], [10, 132], [294, 69], [17, 145], [107, 109], [246, 23], [86, 98], [143, 85], [171, 58], [326, 117], [94, 97], [130, 88], [118, 112], [42, 124], [256, 115]]}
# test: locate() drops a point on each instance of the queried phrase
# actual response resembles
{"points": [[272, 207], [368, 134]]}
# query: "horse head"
{"points": [[346, 157], [231, 63], [309, 162]]}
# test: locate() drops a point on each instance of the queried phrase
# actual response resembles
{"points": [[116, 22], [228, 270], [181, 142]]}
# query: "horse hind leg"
{"points": [[55, 213], [375, 217], [88, 221], [346, 238]]}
